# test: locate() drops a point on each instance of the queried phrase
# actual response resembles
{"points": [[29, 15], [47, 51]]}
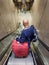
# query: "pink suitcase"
{"points": [[20, 49]]}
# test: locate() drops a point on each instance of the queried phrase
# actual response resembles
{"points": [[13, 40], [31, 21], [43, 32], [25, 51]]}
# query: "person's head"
{"points": [[25, 23]]}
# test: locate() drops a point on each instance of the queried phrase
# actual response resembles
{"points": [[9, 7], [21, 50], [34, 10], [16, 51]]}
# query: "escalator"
{"points": [[20, 61], [38, 57], [12, 60], [42, 53]]}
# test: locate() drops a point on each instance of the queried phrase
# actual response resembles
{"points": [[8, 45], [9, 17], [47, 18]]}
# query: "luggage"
{"points": [[20, 50]]}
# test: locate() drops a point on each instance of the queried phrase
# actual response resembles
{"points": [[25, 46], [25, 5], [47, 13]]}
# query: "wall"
{"points": [[8, 17], [44, 25], [37, 10], [40, 17]]}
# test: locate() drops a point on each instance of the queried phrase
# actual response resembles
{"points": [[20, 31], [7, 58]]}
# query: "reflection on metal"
{"points": [[23, 4]]}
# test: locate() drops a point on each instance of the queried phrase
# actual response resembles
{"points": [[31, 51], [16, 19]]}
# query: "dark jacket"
{"points": [[28, 35]]}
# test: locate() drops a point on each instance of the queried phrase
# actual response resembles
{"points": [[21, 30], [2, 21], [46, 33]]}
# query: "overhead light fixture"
{"points": [[23, 4], [19, 0]]}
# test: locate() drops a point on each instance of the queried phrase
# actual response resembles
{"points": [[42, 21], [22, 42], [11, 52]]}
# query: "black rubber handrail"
{"points": [[34, 60], [6, 36], [6, 61], [4, 51], [47, 47]]}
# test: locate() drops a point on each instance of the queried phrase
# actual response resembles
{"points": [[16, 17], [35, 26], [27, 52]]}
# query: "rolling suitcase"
{"points": [[19, 49]]}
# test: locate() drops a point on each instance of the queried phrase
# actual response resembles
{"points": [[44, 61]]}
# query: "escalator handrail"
{"points": [[47, 48], [34, 60]]}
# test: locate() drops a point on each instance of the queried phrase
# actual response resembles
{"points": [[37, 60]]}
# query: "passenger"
{"points": [[28, 34]]}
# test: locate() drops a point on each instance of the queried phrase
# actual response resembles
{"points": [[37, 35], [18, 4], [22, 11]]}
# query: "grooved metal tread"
{"points": [[20, 61]]}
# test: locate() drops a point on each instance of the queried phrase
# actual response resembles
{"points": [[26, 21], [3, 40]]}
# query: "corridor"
{"points": [[12, 14]]}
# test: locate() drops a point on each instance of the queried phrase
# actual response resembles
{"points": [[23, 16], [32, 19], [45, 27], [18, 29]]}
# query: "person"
{"points": [[28, 34]]}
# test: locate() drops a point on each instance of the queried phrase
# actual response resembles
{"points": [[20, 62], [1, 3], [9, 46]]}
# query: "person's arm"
{"points": [[22, 38], [35, 35]]}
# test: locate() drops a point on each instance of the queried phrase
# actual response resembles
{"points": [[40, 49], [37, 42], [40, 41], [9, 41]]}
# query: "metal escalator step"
{"points": [[20, 61]]}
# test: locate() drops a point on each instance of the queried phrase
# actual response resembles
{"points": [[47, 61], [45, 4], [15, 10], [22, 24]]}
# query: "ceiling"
{"points": [[25, 4]]}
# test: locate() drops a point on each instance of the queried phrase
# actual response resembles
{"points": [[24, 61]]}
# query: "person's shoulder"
{"points": [[32, 26]]}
